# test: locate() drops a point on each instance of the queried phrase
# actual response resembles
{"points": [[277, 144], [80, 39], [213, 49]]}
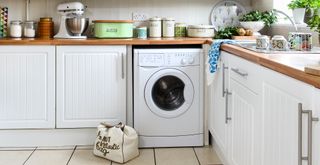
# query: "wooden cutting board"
{"points": [[314, 70], [244, 37]]}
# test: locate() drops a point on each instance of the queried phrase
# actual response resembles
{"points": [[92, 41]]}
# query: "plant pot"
{"points": [[308, 15], [298, 15]]}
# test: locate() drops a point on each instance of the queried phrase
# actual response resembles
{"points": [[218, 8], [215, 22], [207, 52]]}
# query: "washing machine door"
{"points": [[169, 93]]}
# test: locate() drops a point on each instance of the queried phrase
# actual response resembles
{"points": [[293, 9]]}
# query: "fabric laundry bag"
{"points": [[118, 143]]}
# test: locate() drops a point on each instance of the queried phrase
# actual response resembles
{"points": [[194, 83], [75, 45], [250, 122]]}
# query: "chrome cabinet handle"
{"points": [[241, 73], [310, 120], [224, 67], [122, 66], [227, 118]]}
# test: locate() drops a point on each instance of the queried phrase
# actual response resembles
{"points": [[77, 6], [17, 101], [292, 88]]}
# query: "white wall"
{"points": [[187, 11]]}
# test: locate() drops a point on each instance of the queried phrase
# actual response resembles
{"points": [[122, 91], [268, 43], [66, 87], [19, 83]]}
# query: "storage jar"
{"points": [[168, 27], [180, 30], [113, 28], [141, 32], [155, 27], [201, 31], [15, 29], [29, 29], [45, 28]]}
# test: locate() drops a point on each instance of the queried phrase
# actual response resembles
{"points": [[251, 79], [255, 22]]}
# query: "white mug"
{"points": [[263, 42]]}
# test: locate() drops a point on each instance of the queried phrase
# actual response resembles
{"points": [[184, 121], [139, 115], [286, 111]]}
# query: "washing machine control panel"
{"points": [[169, 59]]}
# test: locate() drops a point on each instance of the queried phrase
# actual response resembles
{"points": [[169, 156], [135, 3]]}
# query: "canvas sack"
{"points": [[117, 143]]}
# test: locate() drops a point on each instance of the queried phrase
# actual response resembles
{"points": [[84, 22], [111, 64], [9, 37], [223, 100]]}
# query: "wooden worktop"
{"points": [[275, 63], [94, 41], [262, 59]]}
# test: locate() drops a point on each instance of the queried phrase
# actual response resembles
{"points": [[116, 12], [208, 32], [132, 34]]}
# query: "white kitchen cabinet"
{"points": [[316, 128], [217, 122], [91, 85], [281, 97], [27, 87], [242, 126]]}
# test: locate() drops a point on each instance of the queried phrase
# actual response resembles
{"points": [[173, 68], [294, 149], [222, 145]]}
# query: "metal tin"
{"points": [[168, 27], [300, 41], [155, 27], [180, 30]]}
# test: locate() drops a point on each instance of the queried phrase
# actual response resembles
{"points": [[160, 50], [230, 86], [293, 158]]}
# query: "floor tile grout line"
{"points": [[72, 154], [195, 153], [30, 156], [154, 156]]}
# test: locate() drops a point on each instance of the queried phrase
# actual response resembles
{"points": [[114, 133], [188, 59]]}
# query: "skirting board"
{"points": [[45, 138]]}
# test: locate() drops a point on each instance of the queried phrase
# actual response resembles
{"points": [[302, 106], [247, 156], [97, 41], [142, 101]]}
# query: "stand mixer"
{"points": [[72, 25]]}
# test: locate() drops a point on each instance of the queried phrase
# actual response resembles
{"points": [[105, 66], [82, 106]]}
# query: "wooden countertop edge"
{"points": [[93, 41], [272, 64]]}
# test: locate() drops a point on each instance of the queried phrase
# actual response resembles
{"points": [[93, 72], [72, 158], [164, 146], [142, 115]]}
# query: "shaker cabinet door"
{"points": [[27, 87], [91, 85]]}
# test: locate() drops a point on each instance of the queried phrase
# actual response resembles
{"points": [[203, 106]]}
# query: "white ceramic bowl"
{"points": [[255, 26]]}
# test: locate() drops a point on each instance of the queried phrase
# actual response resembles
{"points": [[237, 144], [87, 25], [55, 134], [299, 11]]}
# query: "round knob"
{"points": [[191, 60], [183, 61]]}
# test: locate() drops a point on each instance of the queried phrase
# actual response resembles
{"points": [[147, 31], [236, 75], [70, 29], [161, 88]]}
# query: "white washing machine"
{"points": [[168, 97]]}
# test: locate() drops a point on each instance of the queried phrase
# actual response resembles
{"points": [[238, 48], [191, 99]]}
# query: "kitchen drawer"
{"points": [[246, 73]]}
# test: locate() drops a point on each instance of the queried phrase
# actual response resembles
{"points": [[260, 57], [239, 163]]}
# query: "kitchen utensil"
{"points": [[180, 30], [200, 31], [278, 42], [226, 13], [262, 42], [71, 24], [168, 27], [155, 27], [77, 25], [113, 28], [314, 70], [45, 28]]}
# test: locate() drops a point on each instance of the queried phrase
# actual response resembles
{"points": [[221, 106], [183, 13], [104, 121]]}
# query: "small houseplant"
{"points": [[301, 9], [256, 20]]}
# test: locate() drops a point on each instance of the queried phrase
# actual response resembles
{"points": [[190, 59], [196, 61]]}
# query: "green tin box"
{"points": [[113, 28]]}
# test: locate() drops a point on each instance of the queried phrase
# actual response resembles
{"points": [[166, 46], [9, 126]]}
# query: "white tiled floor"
{"points": [[82, 155]]}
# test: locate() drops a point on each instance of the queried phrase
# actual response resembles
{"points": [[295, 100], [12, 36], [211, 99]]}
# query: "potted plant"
{"points": [[299, 8], [256, 20], [314, 22]]}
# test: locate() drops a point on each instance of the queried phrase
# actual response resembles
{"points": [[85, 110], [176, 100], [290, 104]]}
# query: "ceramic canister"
{"points": [[155, 27], [168, 27], [141, 32], [300, 41], [278, 42], [262, 42]]}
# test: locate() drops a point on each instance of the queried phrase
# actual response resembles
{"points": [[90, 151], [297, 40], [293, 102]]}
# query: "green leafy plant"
{"points": [[226, 33], [268, 17], [294, 4], [314, 23]]}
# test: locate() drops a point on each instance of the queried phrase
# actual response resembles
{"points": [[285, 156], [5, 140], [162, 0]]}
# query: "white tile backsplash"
{"points": [[187, 11]]}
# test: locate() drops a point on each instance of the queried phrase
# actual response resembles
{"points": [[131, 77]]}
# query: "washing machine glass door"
{"points": [[169, 93]]}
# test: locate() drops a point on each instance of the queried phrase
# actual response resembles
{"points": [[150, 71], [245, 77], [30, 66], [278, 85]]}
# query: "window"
{"points": [[283, 6]]}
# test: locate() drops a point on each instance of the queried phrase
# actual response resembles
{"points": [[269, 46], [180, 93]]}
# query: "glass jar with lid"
{"points": [[29, 29], [15, 29]]}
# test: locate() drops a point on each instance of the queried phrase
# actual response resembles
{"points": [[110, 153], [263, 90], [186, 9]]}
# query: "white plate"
{"points": [[226, 13]]}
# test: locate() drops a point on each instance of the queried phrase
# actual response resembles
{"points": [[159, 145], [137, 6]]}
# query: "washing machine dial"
{"points": [[183, 61], [191, 60]]}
